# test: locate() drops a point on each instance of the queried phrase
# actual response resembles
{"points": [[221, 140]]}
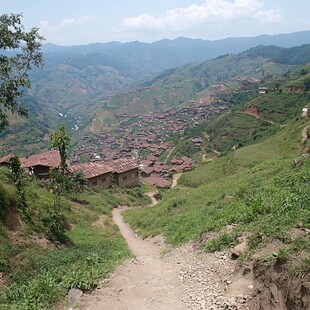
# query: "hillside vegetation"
{"points": [[87, 91], [38, 262], [188, 85], [258, 192]]}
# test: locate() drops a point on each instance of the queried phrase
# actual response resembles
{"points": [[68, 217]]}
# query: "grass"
{"points": [[268, 194], [48, 276], [269, 199], [284, 144], [40, 277]]}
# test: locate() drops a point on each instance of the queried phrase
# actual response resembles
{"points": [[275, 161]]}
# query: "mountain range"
{"points": [[84, 86]]}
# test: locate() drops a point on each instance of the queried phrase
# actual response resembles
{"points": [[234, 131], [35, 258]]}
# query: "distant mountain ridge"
{"points": [[85, 91], [81, 73], [172, 53]]}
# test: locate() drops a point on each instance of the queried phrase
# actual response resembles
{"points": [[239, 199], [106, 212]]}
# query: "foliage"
{"points": [[59, 178], [17, 175], [25, 47], [91, 244], [222, 242], [61, 141]]}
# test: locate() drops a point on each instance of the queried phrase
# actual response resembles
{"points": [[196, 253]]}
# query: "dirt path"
{"points": [[145, 283], [169, 155], [304, 134], [180, 279], [152, 196], [175, 179]]}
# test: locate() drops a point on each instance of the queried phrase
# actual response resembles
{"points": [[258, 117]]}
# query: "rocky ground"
{"points": [[162, 278]]}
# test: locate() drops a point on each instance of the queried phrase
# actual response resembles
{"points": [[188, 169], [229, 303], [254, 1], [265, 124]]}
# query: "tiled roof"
{"points": [[91, 170], [6, 158], [122, 165], [157, 181], [49, 159]]}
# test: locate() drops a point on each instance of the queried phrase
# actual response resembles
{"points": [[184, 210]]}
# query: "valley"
{"points": [[220, 218]]}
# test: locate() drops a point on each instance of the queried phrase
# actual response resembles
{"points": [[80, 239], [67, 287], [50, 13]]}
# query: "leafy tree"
{"points": [[20, 51], [307, 84], [61, 141]]}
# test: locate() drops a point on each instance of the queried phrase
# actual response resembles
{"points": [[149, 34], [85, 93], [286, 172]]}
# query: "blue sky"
{"points": [[69, 22]]}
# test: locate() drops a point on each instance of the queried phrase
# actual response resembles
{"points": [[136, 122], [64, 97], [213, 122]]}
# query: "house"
{"points": [[125, 172], [262, 90], [157, 181], [40, 164], [96, 173], [5, 160], [305, 113]]}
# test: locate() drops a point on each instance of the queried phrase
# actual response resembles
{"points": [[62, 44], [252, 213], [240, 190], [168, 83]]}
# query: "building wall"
{"points": [[127, 179], [41, 172], [5, 164], [104, 180]]}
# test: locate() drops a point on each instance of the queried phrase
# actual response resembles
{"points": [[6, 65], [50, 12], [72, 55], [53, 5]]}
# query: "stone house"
{"points": [[96, 173]]}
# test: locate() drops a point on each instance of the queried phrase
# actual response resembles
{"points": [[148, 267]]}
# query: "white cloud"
{"points": [[209, 11], [67, 21], [44, 23], [268, 16]]}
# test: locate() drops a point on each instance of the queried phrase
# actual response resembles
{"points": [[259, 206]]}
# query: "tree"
{"points": [[61, 141], [20, 51], [17, 176]]}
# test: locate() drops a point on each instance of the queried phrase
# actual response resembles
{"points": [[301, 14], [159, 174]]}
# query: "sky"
{"points": [[74, 22]]}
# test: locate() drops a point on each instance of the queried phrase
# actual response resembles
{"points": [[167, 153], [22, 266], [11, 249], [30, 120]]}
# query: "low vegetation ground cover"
{"points": [[39, 272], [257, 188]]}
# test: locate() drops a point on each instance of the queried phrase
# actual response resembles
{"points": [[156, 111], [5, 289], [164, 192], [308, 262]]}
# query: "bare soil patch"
{"points": [[163, 278]]}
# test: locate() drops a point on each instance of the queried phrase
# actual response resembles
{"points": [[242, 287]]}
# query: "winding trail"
{"points": [[161, 278], [304, 134], [175, 179], [144, 283]]}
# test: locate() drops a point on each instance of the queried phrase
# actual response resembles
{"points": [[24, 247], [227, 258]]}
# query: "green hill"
{"points": [[191, 84], [40, 260], [88, 90], [258, 191]]}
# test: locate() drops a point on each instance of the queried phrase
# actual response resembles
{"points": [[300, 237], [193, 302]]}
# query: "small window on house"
{"points": [[137, 174], [124, 178], [104, 179]]}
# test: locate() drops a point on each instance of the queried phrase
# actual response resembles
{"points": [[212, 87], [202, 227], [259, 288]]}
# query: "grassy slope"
{"points": [[38, 276], [256, 187]]}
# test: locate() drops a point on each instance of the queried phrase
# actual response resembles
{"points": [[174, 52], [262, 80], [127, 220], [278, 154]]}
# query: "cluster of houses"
{"points": [[142, 134], [159, 174], [122, 172]]}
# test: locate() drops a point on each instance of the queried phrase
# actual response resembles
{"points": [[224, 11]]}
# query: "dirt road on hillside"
{"points": [[162, 278], [145, 283]]}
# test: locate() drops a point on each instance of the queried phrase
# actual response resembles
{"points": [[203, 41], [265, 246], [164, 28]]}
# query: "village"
{"points": [[131, 156], [144, 138]]}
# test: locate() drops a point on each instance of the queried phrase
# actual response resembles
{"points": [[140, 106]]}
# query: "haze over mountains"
{"points": [[89, 84], [141, 60], [78, 73]]}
